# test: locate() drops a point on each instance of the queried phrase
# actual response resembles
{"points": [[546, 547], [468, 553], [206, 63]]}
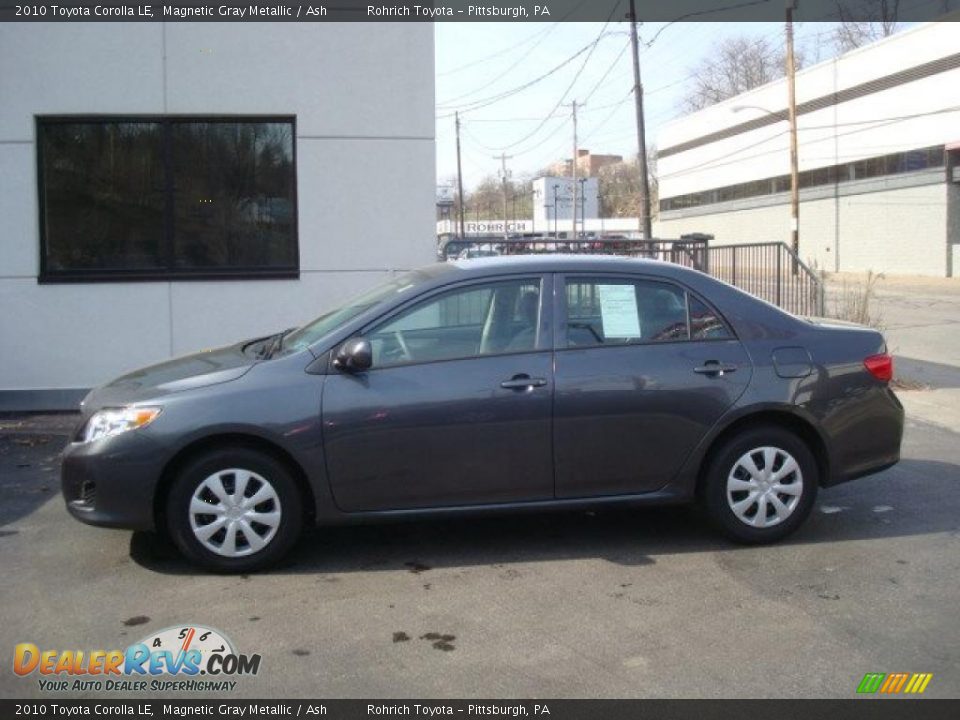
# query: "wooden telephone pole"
{"points": [[573, 164], [792, 116], [505, 178], [459, 177], [645, 222]]}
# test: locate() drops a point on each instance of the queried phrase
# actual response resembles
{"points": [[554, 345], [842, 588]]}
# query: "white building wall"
{"points": [[587, 202], [899, 224], [363, 98], [854, 233], [921, 113]]}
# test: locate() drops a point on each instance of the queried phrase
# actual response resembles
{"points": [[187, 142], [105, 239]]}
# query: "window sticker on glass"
{"points": [[618, 311]]}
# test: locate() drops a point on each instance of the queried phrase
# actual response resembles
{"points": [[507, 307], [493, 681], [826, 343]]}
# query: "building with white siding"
{"points": [[879, 160], [171, 187]]}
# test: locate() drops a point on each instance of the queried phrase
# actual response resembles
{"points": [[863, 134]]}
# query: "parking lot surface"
{"points": [[617, 604]]}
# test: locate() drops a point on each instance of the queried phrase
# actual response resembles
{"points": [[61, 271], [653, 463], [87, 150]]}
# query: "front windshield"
{"points": [[331, 320]]}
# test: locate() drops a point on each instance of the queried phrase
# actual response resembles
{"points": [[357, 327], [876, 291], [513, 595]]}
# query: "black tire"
{"points": [[714, 498], [283, 538]]}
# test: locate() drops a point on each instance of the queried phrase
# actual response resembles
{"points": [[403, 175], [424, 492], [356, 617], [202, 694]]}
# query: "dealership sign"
{"points": [[495, 227]]}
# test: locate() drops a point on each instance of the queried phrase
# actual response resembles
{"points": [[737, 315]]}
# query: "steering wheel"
{"points": [[402, 344]]}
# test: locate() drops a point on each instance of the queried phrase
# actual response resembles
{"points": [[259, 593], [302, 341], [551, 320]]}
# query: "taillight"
{"points": [[880, 366]]}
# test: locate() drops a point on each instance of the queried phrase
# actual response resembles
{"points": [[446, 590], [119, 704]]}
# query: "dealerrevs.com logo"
{"points": [[179, 658]]}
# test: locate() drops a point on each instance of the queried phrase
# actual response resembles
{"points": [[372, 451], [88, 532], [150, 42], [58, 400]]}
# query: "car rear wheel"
{"points": [[761, 485], [234, 510]]}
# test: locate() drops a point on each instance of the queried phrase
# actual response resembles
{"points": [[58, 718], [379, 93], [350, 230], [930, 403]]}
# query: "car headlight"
{"points": [[114, 421]]}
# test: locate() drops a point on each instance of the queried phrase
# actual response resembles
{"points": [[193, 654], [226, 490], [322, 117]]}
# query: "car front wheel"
{"points": [[234, 510], [761, 485]]}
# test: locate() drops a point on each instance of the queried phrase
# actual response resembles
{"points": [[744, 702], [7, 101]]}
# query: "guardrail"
{"points": [[769, 270], [690, 252]]}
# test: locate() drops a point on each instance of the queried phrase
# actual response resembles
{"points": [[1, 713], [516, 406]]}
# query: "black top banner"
{"points": [[488, 709], [465, 11]]}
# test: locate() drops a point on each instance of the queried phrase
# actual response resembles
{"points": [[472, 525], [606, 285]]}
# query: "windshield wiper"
{"points": [[275, 343]]}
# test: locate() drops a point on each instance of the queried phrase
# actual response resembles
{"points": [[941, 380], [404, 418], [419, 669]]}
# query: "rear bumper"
{"points": [[870, 443], [112, 482]]}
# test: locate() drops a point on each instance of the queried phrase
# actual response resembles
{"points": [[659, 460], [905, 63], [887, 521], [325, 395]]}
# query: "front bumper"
{"points": [[112, 482]]}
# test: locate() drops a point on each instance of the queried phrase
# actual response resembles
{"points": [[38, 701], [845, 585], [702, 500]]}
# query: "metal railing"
{"points": [[689, 252], [769, 270]]}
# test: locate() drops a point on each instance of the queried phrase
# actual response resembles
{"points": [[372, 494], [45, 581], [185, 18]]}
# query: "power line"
{"points": [[499, 53], [616, 106], [499, 77], [603, 33], [589, 49], [486, 102], [711, 11], [506, 50]]}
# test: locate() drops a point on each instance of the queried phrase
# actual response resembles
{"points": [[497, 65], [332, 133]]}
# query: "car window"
{"points": [[705, 323], [331, 320], [480, 319], [619, 312]]}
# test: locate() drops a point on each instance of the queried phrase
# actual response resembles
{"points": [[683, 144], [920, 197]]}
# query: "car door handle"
{"points": [[712, 367], [522, 382]]}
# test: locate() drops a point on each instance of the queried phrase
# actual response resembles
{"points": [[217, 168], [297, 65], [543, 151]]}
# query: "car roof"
{"points": [[558, 262]]}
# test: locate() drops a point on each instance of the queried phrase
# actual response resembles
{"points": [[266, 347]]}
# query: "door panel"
{"points": [[635, 389], [456, 409], [626, 418], [439, 434]]}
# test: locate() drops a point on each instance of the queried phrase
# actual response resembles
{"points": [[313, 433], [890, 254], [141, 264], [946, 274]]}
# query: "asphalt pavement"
{"points": [[616, 604]]}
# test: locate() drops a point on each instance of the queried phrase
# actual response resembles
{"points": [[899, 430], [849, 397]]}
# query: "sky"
{"points": [[477, 61]]}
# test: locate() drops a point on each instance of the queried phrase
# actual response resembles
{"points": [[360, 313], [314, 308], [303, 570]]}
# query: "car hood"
{"points": [[209, 367]]}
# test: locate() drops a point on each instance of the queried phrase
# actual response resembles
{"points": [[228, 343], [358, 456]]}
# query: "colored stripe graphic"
{"points": [[870, 683], [918, 683], [894, 683]]}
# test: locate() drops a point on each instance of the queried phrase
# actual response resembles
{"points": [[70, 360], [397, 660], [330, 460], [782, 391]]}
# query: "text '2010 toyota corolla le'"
{"points": [[486, 385]]}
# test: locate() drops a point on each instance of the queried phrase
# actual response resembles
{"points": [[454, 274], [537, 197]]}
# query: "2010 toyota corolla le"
{"points": [[489, 385]]}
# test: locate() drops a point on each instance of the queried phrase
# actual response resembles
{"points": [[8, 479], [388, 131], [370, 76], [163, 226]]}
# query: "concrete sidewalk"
{"points": [[919, 315], [920, 318]]}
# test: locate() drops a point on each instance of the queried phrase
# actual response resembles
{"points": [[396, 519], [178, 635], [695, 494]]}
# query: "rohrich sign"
{"points": [[495, 227]]}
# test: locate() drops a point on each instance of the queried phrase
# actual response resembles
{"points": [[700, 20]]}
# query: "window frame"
{"points": [[561, 312], [169, 272], [545, 339]]}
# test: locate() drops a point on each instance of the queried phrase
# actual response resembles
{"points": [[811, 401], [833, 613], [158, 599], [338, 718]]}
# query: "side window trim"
{"points": [[713, 308], [560, 308], [545, 335]]}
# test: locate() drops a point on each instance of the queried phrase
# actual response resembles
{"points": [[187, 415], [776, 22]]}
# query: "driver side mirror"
{"points": [[354, 355]]}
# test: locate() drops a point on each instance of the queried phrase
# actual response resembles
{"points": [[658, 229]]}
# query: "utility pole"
{"points": [[459, 177], [573, 164], [533, 210], [792, 115], [556, 231], [583, 203], [504, 177], [645, 226]]}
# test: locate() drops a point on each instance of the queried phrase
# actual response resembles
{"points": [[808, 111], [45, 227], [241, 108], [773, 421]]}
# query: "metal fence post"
{"points": [[779, 276]]}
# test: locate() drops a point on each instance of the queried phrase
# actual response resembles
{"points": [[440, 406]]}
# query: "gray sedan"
{"points": [[501, 384]]}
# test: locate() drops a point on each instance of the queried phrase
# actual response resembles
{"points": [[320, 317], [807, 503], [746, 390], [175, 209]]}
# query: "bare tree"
{"points": [[620, 187], [735, 65], [875, 20]]}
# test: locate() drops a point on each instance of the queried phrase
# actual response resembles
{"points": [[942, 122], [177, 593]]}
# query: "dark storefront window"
{"points": [[171, 197]]}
